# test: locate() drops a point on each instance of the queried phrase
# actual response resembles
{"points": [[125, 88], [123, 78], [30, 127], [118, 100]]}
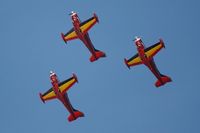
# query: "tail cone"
{"points": [[164, 80], [74, 116], [98, 54]]}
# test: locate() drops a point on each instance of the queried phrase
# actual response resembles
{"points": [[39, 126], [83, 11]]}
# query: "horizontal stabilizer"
{"points": [[164, 80], [98, 54], [75, 115]]}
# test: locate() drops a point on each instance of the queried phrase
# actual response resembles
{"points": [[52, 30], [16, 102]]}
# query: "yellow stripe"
{"points": [[71, 35], [49, 95], [154, 50], [134, 61], [87, 25], [66, 86]]}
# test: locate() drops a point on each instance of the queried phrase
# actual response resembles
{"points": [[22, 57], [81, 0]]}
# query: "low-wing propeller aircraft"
{"points": [[145, 56], [80, 31], [58, 91]]}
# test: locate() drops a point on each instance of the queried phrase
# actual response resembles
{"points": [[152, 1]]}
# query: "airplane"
{"points": [[58, 91], [80, 31], [145, 56]]}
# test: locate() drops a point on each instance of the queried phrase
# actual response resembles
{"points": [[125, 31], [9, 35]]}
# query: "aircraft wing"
{"points": [[86, 25], [135, 60], [63, 87], [69, 35], [66, 84], [48, 95], [154, 49]]}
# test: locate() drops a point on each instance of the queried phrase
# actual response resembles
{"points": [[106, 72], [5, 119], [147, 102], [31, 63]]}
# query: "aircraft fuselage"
{"points": [[59, 95], [83, 37], [149, 62]]}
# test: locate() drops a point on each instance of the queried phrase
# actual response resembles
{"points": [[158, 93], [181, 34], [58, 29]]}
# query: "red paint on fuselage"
{"points": [[149, 62], [84, 37], [59, 95]]}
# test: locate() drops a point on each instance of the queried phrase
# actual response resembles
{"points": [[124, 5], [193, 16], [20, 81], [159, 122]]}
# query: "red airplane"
{"points": [[80, 30], [145, 56], [58, 91]]}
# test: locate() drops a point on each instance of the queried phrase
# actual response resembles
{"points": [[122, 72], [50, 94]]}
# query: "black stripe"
{"points": [[69, 32], [147, 49], [135, 56], [86, 21], [63, 82], [60, 84], [154, 66], [68, 101], [50, 90]]}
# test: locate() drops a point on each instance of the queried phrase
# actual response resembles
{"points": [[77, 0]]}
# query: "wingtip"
{"points": [[63, 37], [126, 62], [41, 97], [162, 42], [96, 17], [75, 77]]}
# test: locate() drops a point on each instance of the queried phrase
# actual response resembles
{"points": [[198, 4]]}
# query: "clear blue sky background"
{"points": [[113, 98]]}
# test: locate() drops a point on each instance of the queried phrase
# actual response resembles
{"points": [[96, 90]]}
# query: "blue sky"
{"points": [[113, 98]]}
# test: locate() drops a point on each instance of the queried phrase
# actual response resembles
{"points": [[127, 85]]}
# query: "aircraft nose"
{"points": [[137, 38], [52, 73], [71, 13]]}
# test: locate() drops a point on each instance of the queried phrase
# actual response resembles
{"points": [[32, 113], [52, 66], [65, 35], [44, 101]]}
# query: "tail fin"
{"points": [[98, 54], [75, 115], [164, 80]]}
